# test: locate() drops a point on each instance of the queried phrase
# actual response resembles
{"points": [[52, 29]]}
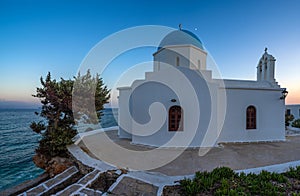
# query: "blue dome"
{"points": [[180, 37]]}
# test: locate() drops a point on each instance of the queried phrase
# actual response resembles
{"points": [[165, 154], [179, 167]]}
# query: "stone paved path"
{"points": [[81, 187], [130, 186], [237, 156]]}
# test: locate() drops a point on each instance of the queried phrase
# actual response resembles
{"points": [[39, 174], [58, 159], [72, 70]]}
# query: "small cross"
{"points": [[266, 49]]}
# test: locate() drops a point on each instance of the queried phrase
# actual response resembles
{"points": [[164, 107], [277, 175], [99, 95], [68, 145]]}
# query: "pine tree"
{"points": [[58, 127]]}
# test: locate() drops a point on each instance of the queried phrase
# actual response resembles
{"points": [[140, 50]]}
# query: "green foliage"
{"points": [[296, 123], [224, 181], [57, 128], [222, 173], [205, 181], [225, 189], [190, 187], [37, 127], [89, 96], [265, 183], [293, 173], [288, 119]]}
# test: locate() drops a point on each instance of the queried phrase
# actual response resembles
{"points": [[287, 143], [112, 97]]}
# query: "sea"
{"points": [[18, 143]]}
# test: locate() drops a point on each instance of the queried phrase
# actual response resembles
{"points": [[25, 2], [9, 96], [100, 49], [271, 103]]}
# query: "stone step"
{"points": [[90, 192], [80, 187], [69, 190], [52, 184], [89, 178], [38, 190]]}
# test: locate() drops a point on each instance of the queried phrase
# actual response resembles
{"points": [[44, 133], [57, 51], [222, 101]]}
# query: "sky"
{"points": [[38, 37]]}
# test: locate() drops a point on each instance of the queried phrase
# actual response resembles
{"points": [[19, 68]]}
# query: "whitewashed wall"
{"points": [[295, 110], [270, 115], [153, 91], [189, 57], [124, 118]]}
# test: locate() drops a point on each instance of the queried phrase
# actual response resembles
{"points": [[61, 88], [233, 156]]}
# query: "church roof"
{"points": [[180, 37], [249, 84]]}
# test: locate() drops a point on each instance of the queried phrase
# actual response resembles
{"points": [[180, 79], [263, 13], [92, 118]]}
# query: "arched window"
{"points": [[175, 118], [260, 66], [199, 64], [177, 61], [251, 117]]}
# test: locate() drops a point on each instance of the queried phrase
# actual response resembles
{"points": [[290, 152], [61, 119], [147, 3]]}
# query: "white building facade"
{"points": [[179, 104], [293, 110]]}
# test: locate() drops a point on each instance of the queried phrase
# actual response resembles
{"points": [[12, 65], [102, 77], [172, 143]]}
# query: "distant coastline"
{"points": [[6, 104], [18, 105]]}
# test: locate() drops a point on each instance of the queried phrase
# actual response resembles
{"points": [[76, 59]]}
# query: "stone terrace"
{"points": [[237, 156], [82, 180]]}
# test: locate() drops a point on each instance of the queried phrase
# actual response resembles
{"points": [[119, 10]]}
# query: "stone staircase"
{"points": [[64, 185], [93, 177], [82, 186], [53, 184]]}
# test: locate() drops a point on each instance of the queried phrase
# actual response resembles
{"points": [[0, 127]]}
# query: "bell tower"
{"points": [[266, 68]]}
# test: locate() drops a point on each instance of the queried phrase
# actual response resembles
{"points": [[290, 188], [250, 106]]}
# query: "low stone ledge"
{"points": [[61, 177], [82, 183], [87, 191], [69, 190], [71, 176], [84, 169], [36, 190], [277, 168], [84, 159], [89, 178]]}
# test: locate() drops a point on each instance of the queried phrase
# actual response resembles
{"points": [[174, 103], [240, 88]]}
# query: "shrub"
{"points": [[190, 187], [288, 119], [293, 173], [224, 181], [296, 123], [223, 173]]}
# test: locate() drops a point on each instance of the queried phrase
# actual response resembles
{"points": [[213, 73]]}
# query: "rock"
{"points": [[40, 161], [82, 168], [57, 165], [174, 190], [52, 166], [105, 180]]}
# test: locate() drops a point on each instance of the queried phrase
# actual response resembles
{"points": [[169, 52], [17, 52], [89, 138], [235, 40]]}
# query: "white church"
{"points": [[180, 104]]}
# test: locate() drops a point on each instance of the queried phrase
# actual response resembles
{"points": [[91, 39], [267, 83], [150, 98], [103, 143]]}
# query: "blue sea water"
{"points": [[18, 143]]}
